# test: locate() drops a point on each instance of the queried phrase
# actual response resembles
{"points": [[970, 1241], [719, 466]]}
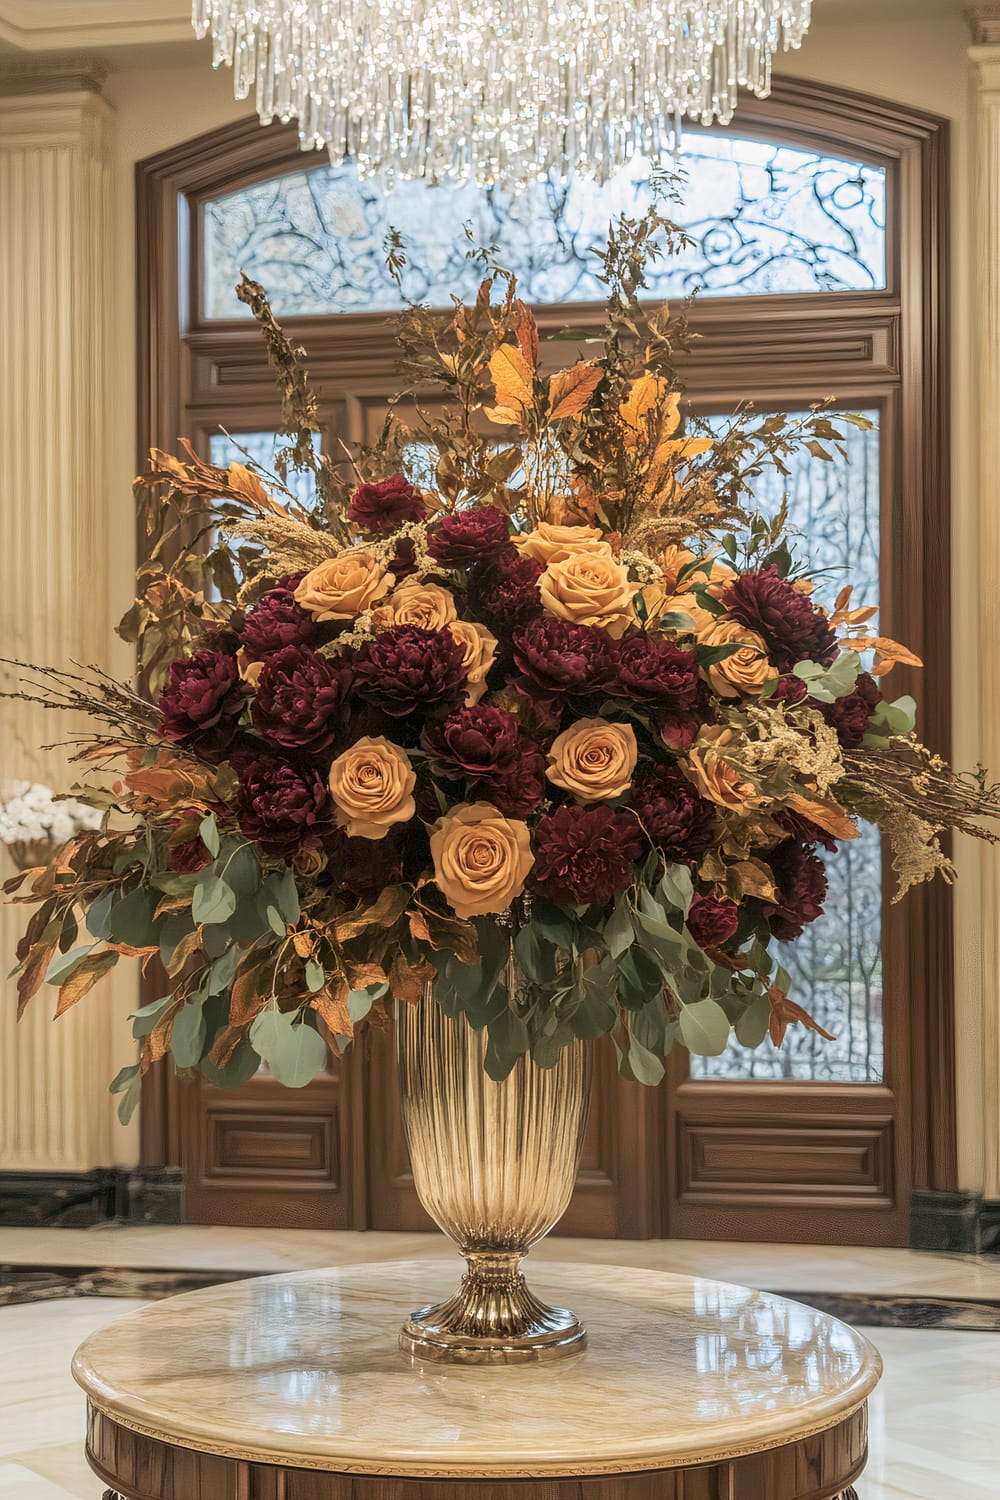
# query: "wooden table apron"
{"points": [[822, 1467]]}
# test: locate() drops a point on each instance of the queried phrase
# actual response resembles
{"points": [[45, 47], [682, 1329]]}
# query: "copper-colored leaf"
{"points": [[331, 1007], [35, 928], [526, 332], [382, 913], [250, 993], [785, 1012], [225, 1045], [829, 816], [303, 943], [83, 978], [189, 945], [570, 390], [409, 980], [750, 877], [512, 377], [452, 933], [29, 980], [362, 976]]}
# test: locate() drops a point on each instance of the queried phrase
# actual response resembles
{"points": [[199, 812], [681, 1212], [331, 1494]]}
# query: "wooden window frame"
{"points": [[884, 347]]}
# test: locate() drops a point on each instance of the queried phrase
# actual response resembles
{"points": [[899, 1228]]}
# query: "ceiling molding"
{"points": [[46, 25], [71, 73], [985, 23]]}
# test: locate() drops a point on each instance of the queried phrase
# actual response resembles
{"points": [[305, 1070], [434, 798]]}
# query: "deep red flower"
{"points": [[189, 857], [406, 670], [789, 690], [364, 867], [710, 922], [792, 627], [559, 660], [849, 715], [403, 563], [280, 806], [381, 507], [584, 855], [801, 884], [804, 829], [300, 697], [505, 592], [464, 537], [650, 669], [276, 621], [520, 792], [678, 731], [476, 741], [679, 822], [203, 691]]}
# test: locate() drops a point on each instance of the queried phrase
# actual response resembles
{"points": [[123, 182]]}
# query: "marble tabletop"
{"points": [[304, 1370]]}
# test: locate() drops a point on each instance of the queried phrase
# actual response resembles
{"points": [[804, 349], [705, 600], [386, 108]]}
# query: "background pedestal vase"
{"points": [[494, 1165]]}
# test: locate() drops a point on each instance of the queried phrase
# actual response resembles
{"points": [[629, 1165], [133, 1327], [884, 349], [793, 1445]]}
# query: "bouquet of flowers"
{"points": [[35, 821], [529, 689]]}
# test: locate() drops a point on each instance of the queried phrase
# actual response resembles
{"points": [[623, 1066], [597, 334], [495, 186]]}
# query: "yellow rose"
{"points": [[343, 586], [594, 760], [712, 775], [372, 787], [425, 605], [747, 670], [549, 544], [481, 859], [480, 647], [589, 588]]}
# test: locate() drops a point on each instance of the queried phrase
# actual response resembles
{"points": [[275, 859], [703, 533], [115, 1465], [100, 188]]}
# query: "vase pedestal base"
{"points": [[492, 1319]]}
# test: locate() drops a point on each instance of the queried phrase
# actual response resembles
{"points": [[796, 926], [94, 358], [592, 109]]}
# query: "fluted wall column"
{"points": [[985, 57], [55, 390]]}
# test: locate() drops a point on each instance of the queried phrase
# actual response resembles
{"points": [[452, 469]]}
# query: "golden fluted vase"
{"points": [[494, 1164]]}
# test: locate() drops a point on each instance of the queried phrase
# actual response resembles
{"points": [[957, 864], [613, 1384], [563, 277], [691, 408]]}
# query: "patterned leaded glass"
{"points": [[836, 966], [261, 447], [763, 218]]}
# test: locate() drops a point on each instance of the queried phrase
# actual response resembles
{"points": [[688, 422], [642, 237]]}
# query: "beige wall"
{"points": [[919, 60]]}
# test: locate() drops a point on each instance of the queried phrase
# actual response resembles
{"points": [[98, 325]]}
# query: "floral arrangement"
{"points": [[34, 819], [530, 691]]}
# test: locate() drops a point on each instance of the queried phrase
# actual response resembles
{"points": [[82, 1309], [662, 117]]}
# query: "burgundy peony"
{"points": [[281, 806], [791, 625], [849, 715], [558, 659], [520, 792], [789, 690], [679, 822], [381, 507], [804, 829], [478, 741], [203, 691], [276, 621], [650, 669], [405, 670], [584, 855], [189, 857], [464, 537], [505, 592], [300, 696], [403, 563], [710, 922], [801, 883]]}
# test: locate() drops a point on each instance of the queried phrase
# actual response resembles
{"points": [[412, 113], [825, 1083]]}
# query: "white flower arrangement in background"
{"points": [[31, 816]]}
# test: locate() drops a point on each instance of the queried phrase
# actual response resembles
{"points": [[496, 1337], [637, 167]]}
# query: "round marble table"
{"points": [[293, 1388]]}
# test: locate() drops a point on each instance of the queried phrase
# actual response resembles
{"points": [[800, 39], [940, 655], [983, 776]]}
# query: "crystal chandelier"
{"points": [[503, 91]]}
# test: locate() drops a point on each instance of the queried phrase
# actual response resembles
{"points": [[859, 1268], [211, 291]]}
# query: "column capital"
{"points": [[66, 73]]}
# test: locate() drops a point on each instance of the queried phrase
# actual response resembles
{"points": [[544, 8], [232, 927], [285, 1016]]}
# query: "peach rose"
{"points": [[747, 670], [673, 559], [549, 544], [706, 767], [480, 647], [425, 605], [372, 787], [594, 759], [343, 586], [589, 588], [481, 859]]}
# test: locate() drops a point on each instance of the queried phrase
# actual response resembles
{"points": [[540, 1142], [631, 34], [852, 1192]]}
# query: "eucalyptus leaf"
{"points": [[645, 1066], [213, 900], [209, 831], [98, 915], [240, 1068], [127, 1083], [275, 921], [288, 898], [315, 976], [294, 1052], [146, 1017], [131, 919], [359, 1003], [677, 887], [63, 964], [619, 933], [751, 1028], [187, 1035], [704, 1028]]}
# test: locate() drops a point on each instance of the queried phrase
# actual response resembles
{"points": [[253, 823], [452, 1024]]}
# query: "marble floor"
{"points": [[935, 1419]]}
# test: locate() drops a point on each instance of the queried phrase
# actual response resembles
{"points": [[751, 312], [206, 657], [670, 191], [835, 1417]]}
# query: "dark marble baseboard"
{"points": [[77, 1200], [966, 1223], [39, 1283]]}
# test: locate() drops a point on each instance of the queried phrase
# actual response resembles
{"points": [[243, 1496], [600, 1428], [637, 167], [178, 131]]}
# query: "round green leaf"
{"points": [[704, 1028], [294, 1053]]}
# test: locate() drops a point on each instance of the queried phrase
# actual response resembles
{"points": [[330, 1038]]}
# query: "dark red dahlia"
{"points": [[464, 537], [505, 592], [710, 922], [792, 627], [789, 690], [403, 563], [849, 715], [203, 691], [650, 669], [521, 791], [584, 855], [805, 830], [281, 806], [300, 697], [406, 669], [559, 660], [476, 741], [801, 884], [679, 822], [381, 507], [276, 621]]}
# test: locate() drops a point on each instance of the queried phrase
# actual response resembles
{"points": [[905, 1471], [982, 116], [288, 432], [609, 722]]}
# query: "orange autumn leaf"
{"points": [[332, 1010], [785, 1012], [526, 333], [570, 390], [409, 980], [83, 978], [829, 816], [513, 378], [30, 979]]}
